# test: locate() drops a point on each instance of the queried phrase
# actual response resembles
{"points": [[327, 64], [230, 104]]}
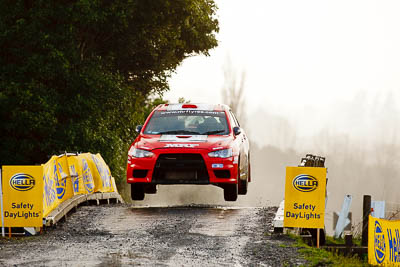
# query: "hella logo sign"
{"points": [[305, 183], [22, 182], [379, 243]]}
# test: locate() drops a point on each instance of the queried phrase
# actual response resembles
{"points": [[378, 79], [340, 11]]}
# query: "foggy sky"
{"points": [[321, 77], [299, 56]]}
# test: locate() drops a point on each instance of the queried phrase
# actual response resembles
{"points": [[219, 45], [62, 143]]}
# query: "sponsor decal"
{"points": [[379, 243], [305, 183], [61, 182], [21, 210], [21, 214], [303, 211], [393, 237], [105, 179], [74, 178], [180, 145], [22, 182], [87, 177], [190, 111], [49, 194], [175, 138]]}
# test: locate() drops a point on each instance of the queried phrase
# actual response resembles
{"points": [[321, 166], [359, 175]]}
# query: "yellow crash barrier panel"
{"points": [[50, 180], [96, 172], [75, 170], [64, 184], [104, 172], [87, 175]]}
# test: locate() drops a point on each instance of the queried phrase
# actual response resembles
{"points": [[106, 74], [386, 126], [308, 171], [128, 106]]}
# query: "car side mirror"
{"points": [[236, 130], [139, 128]]}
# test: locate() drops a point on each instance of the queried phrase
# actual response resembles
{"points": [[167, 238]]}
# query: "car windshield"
{"points": [[188, 122]]}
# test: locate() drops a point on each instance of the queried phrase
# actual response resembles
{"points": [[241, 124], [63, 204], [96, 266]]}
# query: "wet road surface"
{"points": [[123, 235]]}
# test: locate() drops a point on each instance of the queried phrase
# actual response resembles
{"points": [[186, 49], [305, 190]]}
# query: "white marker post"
{"points": [[2, 212], [343, 220]]}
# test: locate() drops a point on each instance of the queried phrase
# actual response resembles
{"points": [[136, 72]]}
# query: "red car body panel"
{"points": [[154, 145]]}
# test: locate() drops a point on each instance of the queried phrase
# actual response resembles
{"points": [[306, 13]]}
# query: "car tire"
{"points": [[137, 192], [231, 192]]}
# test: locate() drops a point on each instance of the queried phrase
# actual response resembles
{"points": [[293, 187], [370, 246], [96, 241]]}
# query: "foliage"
{"points": [[182, 100], [77, 75]]}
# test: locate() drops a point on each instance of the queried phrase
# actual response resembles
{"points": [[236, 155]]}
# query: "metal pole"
{"points": [[2, 212]]}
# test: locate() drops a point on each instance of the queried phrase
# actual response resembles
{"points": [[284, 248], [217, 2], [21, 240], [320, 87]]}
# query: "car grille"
{"points": [[180, 169]]}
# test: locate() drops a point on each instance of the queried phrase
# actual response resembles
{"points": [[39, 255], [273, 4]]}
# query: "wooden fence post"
{"points": [[366, 213]]}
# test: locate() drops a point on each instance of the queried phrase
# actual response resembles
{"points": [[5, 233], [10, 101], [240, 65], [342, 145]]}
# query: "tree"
{"points": [[77, 75]]}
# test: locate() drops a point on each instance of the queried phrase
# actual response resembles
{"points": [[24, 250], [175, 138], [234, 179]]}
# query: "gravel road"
{"points": [[125, 235]]}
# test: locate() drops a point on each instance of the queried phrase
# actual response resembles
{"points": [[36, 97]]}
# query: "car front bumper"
{"points": [[192, 166]]}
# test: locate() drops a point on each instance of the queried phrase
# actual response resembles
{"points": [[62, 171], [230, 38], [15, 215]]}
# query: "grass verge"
{"points": [[321, 257]]}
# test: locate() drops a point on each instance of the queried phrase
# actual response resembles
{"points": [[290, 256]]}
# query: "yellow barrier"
{"points": [[383, 242], [76, 172], [102, 174], [54, 182], [50, 199]]}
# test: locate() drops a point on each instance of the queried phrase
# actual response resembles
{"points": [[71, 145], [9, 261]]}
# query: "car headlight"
{"points": [[139, 153], [224, 153]]}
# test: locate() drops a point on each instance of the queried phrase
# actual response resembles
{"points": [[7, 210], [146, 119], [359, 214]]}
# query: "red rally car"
{"points": [[189, 144]]}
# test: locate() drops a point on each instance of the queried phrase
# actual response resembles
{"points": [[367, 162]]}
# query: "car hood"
{"points": [[209, 142]]}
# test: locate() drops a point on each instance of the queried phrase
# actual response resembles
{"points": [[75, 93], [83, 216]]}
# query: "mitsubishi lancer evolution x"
{"points": [[197, 144]]}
